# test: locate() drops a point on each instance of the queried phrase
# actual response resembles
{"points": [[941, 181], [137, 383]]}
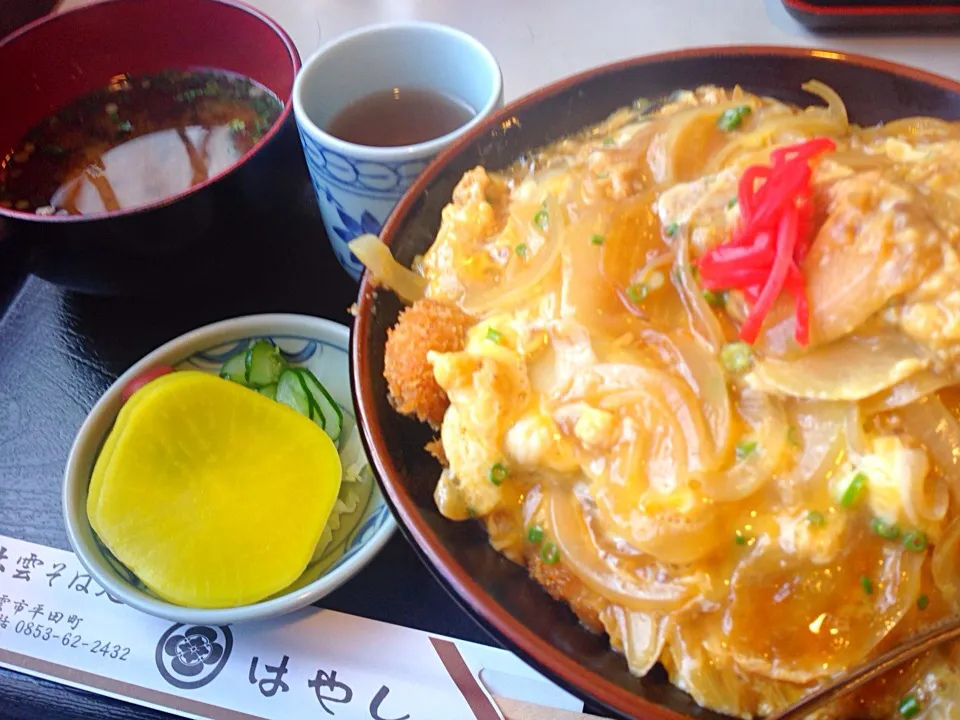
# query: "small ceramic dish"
{"points": [[320, 345]]}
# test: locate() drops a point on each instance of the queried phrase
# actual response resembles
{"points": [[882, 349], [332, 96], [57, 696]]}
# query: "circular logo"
{"points": [[191, 656]]}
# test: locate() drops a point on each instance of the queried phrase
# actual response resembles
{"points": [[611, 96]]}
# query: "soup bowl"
{"points": [[497, 592], [63, 57]]}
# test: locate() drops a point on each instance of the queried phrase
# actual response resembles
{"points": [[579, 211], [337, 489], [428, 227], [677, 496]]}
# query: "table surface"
{"points": [[59, 351], [539, 41]]}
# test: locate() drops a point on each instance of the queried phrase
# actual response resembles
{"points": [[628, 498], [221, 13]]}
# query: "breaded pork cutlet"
{"points": [[424, 326]]}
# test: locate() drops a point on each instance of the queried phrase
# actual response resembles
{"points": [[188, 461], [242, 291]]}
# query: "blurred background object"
{"points": [[17, 13]]}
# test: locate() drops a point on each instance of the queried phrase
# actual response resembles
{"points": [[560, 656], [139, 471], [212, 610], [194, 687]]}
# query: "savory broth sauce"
{"points": [[399, 116], [137, 141]]}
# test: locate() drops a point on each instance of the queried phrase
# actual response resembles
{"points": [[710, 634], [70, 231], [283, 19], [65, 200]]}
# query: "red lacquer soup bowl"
{"points": [[49, 63], [498, 593]]}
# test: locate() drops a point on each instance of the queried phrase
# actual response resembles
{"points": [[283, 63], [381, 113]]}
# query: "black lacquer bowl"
{"points": [[495, 591], [52, 61]]}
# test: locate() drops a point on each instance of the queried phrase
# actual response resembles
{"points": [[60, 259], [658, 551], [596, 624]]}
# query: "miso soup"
{"points": [[137, 141]]}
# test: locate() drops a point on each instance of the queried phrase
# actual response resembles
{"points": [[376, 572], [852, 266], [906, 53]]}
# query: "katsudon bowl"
{"points": [[496, 592], [179, 232]]}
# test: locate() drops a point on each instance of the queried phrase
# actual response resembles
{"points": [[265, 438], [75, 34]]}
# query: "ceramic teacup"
{"points": [[358, 185]]}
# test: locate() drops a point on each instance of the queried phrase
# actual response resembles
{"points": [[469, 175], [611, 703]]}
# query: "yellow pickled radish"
{"points": [[103, 459], [213, 495]]}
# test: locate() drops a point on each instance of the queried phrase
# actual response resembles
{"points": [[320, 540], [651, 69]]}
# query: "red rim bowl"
{"points": [[492, 589], [63, 56]]}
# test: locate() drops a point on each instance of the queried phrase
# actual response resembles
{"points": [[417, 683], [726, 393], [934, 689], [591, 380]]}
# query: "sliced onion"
{"points": [[856, 437], [518, 287], [945, 565], [820, 426], [691, 127], [851, 368], [644, 637], [710, 385], [703, 323], [765, 415], [925, 496], [906, 392], [582, 556], [386, 271], [672, 531], [929, 421], [916, 128], [776, 596], [774, 130], [629, 384], [700, 663], [834, 102]]}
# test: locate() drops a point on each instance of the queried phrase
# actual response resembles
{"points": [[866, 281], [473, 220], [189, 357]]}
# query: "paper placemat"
{"points": [[58, 623]]}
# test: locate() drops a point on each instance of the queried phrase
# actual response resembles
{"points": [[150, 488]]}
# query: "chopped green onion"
{"points": [[597, 240], [816, 518], [607, 141], [499, 473], [715, 299], [885, 530], [736, 357], [854, 490], [549, 553], [732, 202], [867, 585], [739, 538], [471, 512], [671, 229], [909, 707], [637, 292], [238, 125], [541, 219], [535, 534], [494, 335], [915, 541], [922, 603], [745, 449], [732, 119], [521, 250], [125, 126]]}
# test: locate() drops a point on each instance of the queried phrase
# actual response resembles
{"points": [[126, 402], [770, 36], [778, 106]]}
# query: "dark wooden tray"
{"points": [[59, 351]]}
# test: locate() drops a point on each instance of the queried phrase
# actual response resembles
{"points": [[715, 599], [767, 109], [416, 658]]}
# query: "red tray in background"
{"points": [[876, 15]]}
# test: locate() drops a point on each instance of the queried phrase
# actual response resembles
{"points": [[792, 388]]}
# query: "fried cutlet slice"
{"points": [[424, 326]]}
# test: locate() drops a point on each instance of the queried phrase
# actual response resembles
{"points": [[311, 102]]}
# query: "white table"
{"points": [[539, 41]]}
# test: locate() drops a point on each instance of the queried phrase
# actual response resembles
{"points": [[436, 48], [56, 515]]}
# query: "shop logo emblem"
{"points": [[191, 656]]}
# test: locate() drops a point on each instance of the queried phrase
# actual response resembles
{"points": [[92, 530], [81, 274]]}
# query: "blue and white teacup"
{"points": [[358, 185]]}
